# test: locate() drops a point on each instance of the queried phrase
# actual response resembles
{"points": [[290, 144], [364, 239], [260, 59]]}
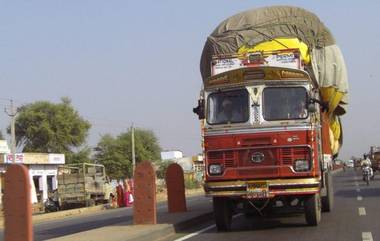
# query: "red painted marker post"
{"points": [[144, 205], [175, 184], [17, 204]]}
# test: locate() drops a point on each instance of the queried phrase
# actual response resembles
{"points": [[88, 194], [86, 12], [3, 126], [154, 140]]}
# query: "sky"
{"points": [[124, 62]]}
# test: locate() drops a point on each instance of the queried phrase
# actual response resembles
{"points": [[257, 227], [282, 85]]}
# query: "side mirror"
{"points": [[200, 109], [311, 108], [312, 101]]}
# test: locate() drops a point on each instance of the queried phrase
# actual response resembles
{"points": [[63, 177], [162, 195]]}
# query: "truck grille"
{"points": [[270, 157], [259, 172], [225, 157], [273, 156], [287, 157], [289, 154]]}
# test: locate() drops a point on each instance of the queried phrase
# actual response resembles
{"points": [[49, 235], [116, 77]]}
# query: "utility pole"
{"points": [[12, 114], [133, 149]]}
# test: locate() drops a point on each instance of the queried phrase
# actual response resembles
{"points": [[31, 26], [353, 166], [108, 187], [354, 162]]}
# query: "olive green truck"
{"points": [[82, 185]]}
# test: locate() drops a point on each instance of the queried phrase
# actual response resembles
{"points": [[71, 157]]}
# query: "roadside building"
{"points": [[171, 155], [186, 163], [192, 166], [4, 149], [198, 163], [42, 170]]}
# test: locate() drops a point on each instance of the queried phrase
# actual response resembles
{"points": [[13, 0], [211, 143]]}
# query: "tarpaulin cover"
{"points": [[256, 26], [264, 26]]}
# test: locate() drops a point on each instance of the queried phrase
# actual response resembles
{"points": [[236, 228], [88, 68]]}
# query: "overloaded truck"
{"points": [[374, 155], [82, 184], [274, 89]]}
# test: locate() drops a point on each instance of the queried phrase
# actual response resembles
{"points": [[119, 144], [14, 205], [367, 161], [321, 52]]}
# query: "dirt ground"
{"points": [[162, 195]]}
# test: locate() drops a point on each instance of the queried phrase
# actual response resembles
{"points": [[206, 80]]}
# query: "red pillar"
{"points": [[176, 188], [144, 206], [17, 204]]}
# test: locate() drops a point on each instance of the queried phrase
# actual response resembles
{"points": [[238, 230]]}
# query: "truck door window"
{"points": [[228, 107], [284, 103]]}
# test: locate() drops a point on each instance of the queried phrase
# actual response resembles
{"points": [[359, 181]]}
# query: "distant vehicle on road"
{"points": [[82, 185], [350, 163], [338, 162]]}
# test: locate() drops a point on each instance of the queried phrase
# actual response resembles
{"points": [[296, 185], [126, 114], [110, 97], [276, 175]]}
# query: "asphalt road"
{"points": [[356, 216], [84, 222]]}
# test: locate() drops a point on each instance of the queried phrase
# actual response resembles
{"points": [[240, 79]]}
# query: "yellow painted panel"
{"points": [[278, 44]]}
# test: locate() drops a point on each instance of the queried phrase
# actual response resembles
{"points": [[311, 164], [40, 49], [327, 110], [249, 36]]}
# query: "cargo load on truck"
{"points": [[280, 28]]}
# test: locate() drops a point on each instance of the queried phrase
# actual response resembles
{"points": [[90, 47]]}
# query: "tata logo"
{"points": [[257, 157]]}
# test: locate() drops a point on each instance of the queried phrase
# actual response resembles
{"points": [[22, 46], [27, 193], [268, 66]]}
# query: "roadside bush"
{"points": [[192, 184]]}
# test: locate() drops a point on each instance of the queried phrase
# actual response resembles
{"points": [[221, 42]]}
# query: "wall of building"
{"points": [[47, 178], [171, 155], [42, 170]]}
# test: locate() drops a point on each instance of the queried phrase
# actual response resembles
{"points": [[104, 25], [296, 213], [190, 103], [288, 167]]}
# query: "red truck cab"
{"points": [[265, 138]]}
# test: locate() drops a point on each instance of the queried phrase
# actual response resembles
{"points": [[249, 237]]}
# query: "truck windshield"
{"points": [[284, 103], [228, 107]]}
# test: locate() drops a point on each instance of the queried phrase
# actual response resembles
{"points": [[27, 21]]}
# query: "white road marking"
{"points": [[362, 211], [367, 236], [203, 230], [356, 184], [359, 198], [196, 233], [358, 189]]}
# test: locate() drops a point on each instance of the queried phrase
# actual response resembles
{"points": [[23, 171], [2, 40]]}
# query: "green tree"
{"points": [[80, 156], [116, 153], [113, 155], [162, 166], [43, 126]]}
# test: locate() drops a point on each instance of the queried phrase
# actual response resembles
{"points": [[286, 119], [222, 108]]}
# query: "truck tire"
{"points": [[328, 199], [312, 206], [222, 213]]}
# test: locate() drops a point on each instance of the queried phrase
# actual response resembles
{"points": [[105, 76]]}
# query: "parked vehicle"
{"points": [[350, 163], [270, 123], [82, 185], [50, 205]]}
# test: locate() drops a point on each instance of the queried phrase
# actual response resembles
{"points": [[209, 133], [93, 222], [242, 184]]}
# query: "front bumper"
{"points": [[274, 187]]}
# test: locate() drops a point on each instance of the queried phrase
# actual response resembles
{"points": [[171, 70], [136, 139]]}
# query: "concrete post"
{"points": [[144, 205], [17, 204], [175, 184]]}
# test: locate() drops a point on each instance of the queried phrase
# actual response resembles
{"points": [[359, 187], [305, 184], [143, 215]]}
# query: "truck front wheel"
{"points": [[222, 213], [328, 200], [312, 206]]}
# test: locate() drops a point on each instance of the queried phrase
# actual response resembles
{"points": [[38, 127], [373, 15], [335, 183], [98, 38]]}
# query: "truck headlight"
{"points": [[215, 169], [301, 165]]}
